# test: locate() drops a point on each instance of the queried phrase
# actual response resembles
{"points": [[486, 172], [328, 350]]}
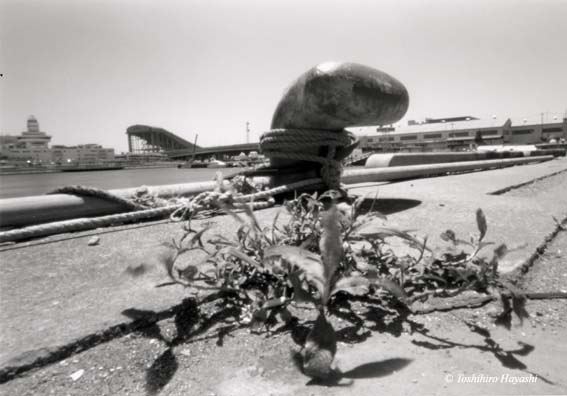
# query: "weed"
{"points": [[328, 251]]}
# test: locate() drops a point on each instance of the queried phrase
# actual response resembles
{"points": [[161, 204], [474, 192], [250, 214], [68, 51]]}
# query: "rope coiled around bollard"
{"points": [[301, 144], [214, 200]]}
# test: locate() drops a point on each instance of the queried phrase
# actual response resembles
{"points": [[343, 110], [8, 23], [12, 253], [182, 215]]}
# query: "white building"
{"points": [[32, 146], [460, 133], [86, 153]]}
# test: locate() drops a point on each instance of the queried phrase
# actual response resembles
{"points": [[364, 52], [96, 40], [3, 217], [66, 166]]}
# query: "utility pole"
{"points": [[247, 132], [541, 126]]}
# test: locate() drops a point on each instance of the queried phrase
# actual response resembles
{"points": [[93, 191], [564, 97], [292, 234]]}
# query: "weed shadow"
{"points": [[369, 370], [161, 372], [507, 358], [188, 325], [388, 206], [376, 369]]}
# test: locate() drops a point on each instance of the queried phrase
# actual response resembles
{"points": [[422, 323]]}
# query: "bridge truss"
{"points": [[143, 139]]}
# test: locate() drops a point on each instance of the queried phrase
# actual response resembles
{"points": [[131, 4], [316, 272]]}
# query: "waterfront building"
{"points": [[459, 133], [33, 137], [84, 154], [32, 147], [140, 158]]}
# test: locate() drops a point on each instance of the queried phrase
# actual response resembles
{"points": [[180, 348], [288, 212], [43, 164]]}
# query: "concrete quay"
{"points": [[57, 290]]}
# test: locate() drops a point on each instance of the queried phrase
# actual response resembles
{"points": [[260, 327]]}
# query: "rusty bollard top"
{"points": [[334, 96], [308, 126]]}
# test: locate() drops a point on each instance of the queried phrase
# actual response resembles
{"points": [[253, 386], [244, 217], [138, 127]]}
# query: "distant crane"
{"points": [[194, 148]]}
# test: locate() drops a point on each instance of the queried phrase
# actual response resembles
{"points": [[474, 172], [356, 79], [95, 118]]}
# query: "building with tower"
{"points": [[33, 138], [32, 147]]}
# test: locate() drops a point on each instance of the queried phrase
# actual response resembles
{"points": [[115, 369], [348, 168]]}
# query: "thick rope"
{"points": [[215, 200], [210, 200], [82, 224], [299, 145], [100, 194]]}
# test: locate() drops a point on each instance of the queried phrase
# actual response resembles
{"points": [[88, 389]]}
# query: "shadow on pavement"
{"points": [[508, 358], [161, 372], [388, 206], [376, 369], [188, 325]]}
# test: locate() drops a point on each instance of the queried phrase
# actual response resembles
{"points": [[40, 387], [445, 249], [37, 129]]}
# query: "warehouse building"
{"points": [[459, 134]]}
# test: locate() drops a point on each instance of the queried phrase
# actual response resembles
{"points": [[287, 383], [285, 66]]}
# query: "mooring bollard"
{"points": [[308, 126], [308, 139]]}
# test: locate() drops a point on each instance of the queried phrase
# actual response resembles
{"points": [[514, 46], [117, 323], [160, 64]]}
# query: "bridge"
{"points": [[144, 139]]}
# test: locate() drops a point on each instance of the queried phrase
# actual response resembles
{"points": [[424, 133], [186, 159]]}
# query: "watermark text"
{"points": [[488, 379]]}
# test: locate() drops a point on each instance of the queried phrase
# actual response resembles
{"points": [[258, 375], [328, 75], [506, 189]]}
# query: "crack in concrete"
{"points": [[504, 190], [45, 356], [516, 274]]}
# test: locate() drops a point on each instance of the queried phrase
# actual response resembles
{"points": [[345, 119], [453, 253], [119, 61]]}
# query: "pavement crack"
{"points": [[45, 356], [505, 190], [519, 272]]}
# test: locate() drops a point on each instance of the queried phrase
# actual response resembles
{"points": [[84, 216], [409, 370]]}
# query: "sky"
{"points": [[89, 69]]}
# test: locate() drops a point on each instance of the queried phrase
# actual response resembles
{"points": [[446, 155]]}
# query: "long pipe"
{"points": [[406, 172], [18, 212]]}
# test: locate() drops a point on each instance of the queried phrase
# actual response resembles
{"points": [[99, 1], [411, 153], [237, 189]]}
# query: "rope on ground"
{"points": [[83, 224], [100, 194], [300, 144], [217, 200], [210, 200]]}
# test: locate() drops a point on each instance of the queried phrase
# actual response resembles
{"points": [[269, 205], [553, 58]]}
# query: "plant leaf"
{"points": [[356, 285], [310, 263], [384, 232], [188, 273], [393, 288], [481, 223], [167, 259], [482, 245], [253, 221], [285, 315], [448, 236], [331, 246], [299, 293], [302, 258], [231, 251], [274, 225], [334, 195], [274, 302]]}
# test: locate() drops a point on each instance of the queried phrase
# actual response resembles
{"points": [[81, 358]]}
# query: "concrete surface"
{"points": [[57, 290]]}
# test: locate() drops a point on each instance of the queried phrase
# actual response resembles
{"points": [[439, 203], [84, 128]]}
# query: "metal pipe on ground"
{"points": [[22, 211], [406, 172], [382, 160], [19, 212]]}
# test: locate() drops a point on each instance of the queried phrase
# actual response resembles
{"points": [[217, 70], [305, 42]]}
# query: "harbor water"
{"points": [[24, 185]]}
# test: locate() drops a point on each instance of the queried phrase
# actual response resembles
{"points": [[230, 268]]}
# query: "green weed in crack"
{"points": [[325, 252]]}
